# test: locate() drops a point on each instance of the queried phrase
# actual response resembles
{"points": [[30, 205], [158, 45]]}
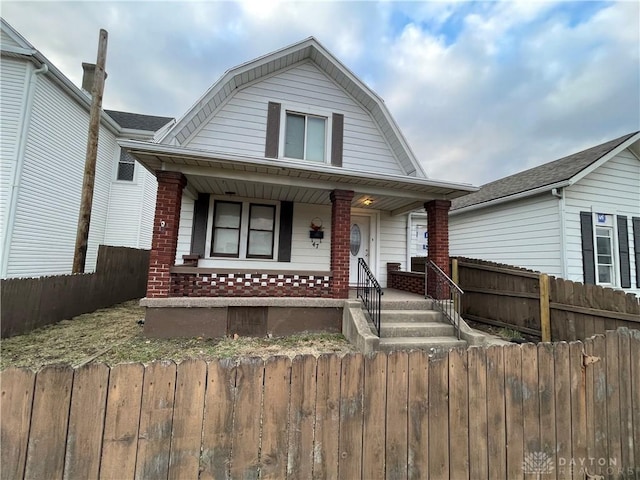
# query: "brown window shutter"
{"points": [[273, 130], [200, 215], [337, 135], [286, 231]]}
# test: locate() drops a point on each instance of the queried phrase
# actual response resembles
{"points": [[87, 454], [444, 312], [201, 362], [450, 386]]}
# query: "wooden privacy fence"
{"points": [[552, 410], [529, 301], [28, 303]]}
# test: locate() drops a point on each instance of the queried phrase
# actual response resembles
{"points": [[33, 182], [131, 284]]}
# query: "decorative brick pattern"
{"points": [[249, 285], [165, 232], [340, 241], [438, 243], [408, 281]]}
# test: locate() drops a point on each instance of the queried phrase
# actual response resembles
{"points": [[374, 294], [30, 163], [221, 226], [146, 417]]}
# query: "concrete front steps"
{"points": [[415, 324]]}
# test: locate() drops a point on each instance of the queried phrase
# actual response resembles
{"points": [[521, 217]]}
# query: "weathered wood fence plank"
{"points": [[418, 412], [439, 416], [513, 410], [563, 403], [86, 421], [325, 448], [156, 420], [49, 420], [186, 437], [351, 417], [396, 460], [220, 400], [374, 409], [302, 417], [478, 434], [275, 414], [15, 419], [458, 414], [497, 435], [122, 420], [546, 401], [245, 458]]}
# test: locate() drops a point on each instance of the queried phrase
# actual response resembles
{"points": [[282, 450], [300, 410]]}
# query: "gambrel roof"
{"points": [[556, 174], [307, 50]]}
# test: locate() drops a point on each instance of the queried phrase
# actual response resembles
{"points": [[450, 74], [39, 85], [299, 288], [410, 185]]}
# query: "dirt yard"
{"points": [[113, 335]]}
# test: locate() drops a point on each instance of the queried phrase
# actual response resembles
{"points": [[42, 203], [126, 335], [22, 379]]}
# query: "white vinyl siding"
{"points": [[49, 197], [613, 189], [239, 126], [13, 78], [393, 244], [524, 233], [131, 209], [7, 41]]}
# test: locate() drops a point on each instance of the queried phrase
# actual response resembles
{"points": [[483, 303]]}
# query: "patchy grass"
{"points": [[112, 335]]}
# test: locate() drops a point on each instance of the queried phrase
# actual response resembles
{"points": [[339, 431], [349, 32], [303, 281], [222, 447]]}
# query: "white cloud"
{"points": [[480, 89]]}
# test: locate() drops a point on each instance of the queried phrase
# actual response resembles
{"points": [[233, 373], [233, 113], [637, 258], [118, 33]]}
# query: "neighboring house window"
{"points": [[238, 235], [606, 258], [126, 166], [604, 254], [305, 137]]}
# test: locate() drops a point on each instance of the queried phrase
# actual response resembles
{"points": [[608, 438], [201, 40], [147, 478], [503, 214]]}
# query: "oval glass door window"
{"points": [[356, 239]]}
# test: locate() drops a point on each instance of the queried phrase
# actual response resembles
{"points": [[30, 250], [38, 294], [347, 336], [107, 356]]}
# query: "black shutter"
{"points": [[286, 230], [588, 259], [337, 135], [636, 247], [199, 234], [273, 131], [623, 251]]}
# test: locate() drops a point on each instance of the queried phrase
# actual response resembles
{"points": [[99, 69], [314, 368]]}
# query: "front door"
{"points": [[359, 245]]}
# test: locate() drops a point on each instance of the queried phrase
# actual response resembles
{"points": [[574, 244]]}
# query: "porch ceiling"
{"points": [[276, 179]]}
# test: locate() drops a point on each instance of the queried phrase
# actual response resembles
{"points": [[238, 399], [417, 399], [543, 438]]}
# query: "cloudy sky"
{"points": [[480, 89]]}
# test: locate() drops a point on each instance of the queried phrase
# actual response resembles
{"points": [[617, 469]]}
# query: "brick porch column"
{"points": [[438, 241], [165, 232], [340, 241]]}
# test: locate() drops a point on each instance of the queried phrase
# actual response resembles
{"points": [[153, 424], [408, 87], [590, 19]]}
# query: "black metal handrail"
{"points": [[369, 290], [445, 293]]}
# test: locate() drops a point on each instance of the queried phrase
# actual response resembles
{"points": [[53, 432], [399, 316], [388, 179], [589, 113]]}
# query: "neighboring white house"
{"points": [[43, 139], [576, 218]]}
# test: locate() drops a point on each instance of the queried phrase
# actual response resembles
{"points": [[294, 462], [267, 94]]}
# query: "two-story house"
{"points": [[283, 174]]}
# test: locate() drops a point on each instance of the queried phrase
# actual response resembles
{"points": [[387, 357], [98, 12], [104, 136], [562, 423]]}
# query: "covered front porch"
{"points": [[301, 245]]}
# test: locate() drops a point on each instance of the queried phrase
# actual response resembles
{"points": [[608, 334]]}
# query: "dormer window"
{"points": [[295, 133], [305, 137]]}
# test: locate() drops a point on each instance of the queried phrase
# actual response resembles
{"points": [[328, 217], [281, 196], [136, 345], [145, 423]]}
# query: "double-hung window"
{"points": [[604, 254], [126, 166], [243, 230], [227, 218], [305, 137]]}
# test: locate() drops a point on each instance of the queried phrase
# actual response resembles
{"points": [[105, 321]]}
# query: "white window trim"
{"points": [[244, 229], [311, 111], [615, 250]]}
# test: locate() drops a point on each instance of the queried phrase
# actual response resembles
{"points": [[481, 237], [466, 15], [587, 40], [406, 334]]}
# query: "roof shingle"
{"points": [[547, 174], [136, 121]]}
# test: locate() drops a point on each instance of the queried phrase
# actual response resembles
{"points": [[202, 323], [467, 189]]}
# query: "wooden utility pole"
{"points": [[84, 219]]}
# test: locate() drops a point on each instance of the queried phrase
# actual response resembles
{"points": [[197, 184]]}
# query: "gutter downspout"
{"points": [[17, 174], [409, 237]]}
